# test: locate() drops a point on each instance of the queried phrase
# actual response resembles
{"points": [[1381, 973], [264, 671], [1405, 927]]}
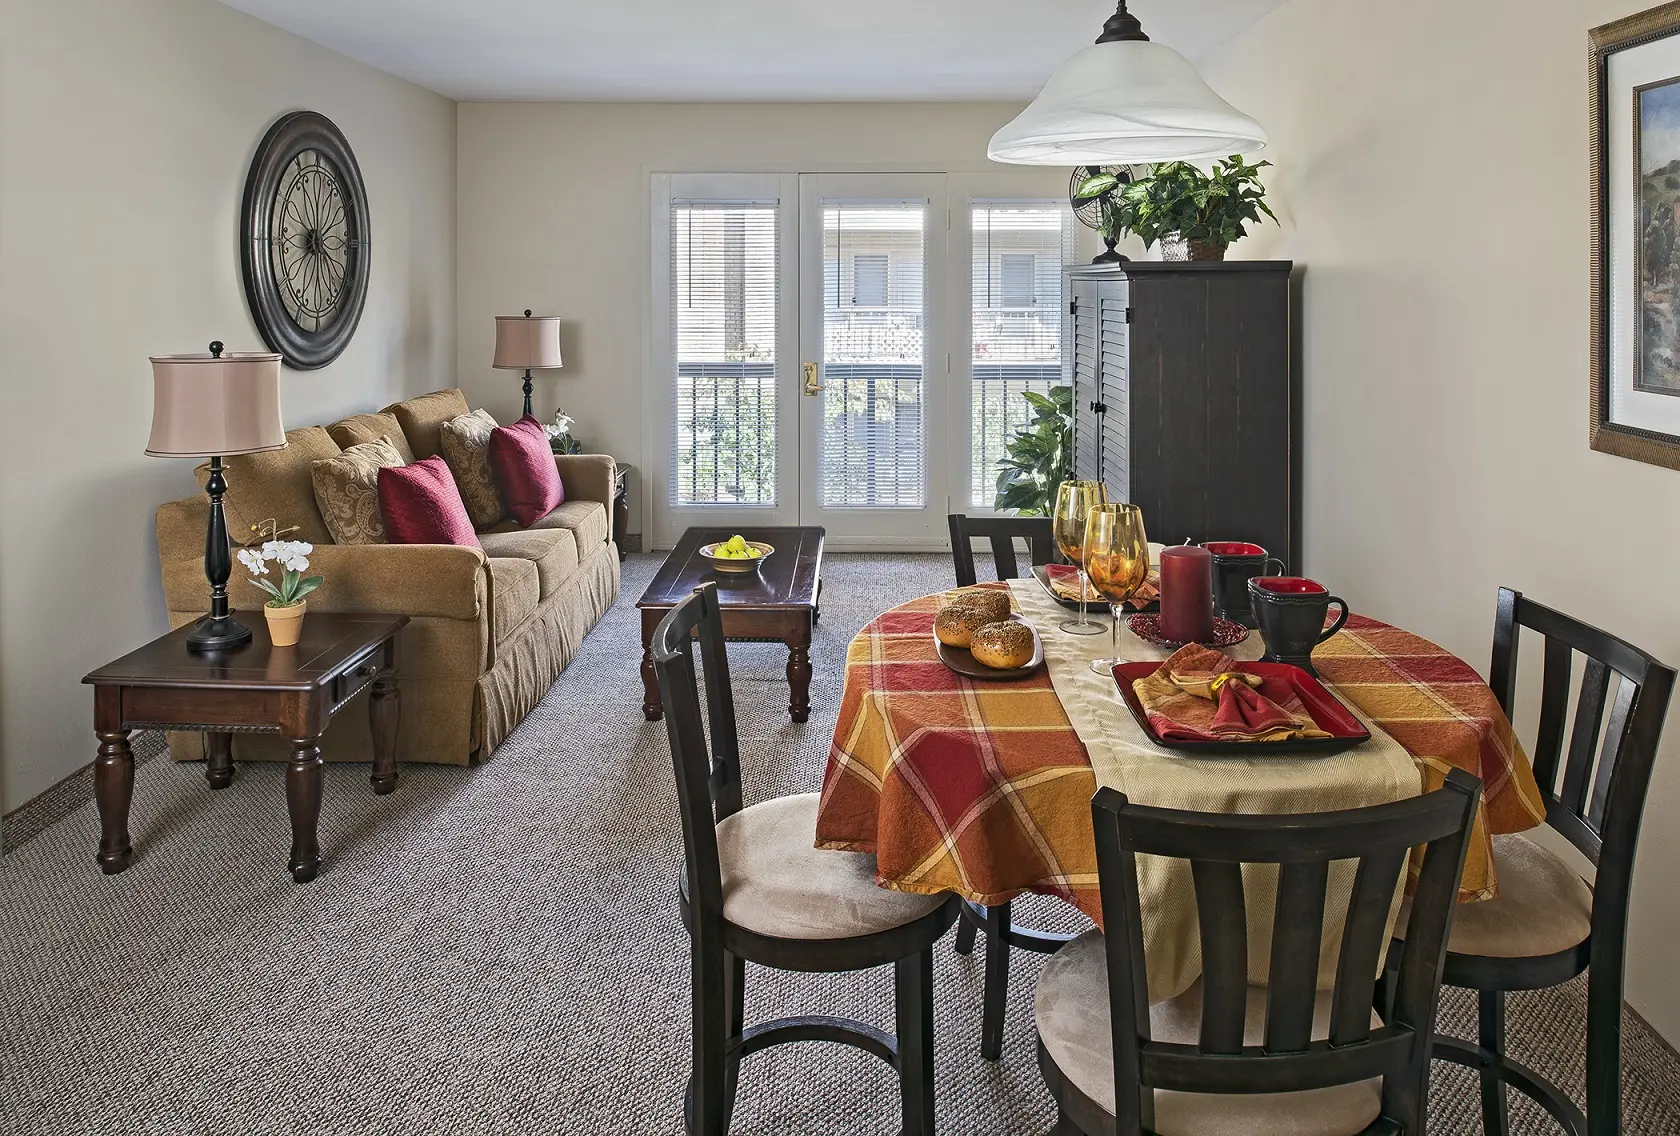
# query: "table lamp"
{"points": [[528, 343], [214, 406]]}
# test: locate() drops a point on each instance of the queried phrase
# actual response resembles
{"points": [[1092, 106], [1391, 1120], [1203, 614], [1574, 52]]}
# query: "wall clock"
{"points": [[305, 247]]}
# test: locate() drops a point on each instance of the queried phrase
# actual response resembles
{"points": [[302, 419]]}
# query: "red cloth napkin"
{"points": [[1064, 582], [1199, 694]]}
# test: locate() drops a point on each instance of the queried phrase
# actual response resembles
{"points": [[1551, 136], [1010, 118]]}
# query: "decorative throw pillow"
{"points": [[421, 505], [359, 428], [465, 445], [347, 491], [525, 470]]}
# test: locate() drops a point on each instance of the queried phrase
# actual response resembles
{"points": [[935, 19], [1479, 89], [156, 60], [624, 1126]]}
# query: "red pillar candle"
{"points": [[1187, 594]]}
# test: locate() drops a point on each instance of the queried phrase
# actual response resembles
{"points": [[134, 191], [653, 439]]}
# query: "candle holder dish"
{"points": [[1147, 626]]}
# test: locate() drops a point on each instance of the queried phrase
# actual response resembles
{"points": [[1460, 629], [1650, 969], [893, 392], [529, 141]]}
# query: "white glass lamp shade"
{"points": [[215, 405], [527, 342], [1125, 101]]}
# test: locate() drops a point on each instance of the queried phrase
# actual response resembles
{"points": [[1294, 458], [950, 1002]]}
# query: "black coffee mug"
{"points": [[1290, 611], [1235, 563]]}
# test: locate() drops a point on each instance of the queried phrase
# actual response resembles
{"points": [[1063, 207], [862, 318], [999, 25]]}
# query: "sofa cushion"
{"points": [[359, 428], [525, 471], [586, 520], [421, 418], [553, 551], [276, 484], [466, 447], [347, 491], [514, 592], [421, 505]]}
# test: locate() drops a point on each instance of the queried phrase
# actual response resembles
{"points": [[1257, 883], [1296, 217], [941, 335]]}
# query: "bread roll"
{"points": [[958, 620], [1003, 646]]}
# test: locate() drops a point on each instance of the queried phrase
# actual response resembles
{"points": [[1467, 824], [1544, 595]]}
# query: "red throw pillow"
{"points": [[525, 471], [421, 505]]}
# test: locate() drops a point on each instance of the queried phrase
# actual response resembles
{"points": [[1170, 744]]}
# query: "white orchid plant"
{"points": [[293, 558]]}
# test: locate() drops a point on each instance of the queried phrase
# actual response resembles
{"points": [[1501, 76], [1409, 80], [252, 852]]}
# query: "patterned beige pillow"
{"points": [[465, 444], [347, 491]]}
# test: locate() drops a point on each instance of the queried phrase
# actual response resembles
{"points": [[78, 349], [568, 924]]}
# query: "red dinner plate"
{"points": [[1328, 714]]}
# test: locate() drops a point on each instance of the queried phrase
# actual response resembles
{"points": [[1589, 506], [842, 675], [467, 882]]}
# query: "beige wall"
{"points": [[1432, 174], [125, 132], [555, 216]]}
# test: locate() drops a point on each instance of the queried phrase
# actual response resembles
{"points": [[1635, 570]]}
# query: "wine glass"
{"points": [[1074, 502], [1117, 563]]}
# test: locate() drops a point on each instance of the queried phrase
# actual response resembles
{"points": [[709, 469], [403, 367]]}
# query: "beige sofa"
{"points": [[488, 631]]}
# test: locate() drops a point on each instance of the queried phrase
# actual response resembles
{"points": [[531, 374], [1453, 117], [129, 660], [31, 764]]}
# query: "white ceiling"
{"points": [[733, 50]]}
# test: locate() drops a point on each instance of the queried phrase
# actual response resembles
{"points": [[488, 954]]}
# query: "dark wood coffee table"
{"points": [[776, 604], [257, 688]]}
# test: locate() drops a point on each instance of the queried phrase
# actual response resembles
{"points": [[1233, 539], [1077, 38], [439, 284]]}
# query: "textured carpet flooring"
{"points": [[496, 950]]}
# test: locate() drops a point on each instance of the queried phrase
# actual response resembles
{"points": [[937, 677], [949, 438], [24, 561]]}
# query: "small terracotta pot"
{"points": [[285, 624], [1175, 247]]}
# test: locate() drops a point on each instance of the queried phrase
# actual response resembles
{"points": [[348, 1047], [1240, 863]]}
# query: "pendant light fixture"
{"points": [[1126, 99]]}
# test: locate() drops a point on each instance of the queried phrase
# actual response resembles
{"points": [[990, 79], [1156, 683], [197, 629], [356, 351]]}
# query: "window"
{"points": [[873, 439], [724, 293], [1019, 248], [869, 280], [1017, 273]]}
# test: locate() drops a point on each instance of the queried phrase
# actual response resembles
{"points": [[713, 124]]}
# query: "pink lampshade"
{"points": [[527, 341], [209, 405]]}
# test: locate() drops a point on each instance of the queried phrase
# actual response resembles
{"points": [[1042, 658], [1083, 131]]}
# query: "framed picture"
{"points": [[1635, 97]]}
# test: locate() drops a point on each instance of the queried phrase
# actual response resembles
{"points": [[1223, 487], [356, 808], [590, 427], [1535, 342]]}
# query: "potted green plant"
{"points": [[1195, 215], [286, 606], [1040, 455]]}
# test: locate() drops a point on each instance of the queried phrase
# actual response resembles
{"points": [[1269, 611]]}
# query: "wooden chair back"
{"points": [[1595, 795], [705, 753], [1217, 846], [1001, 532]]}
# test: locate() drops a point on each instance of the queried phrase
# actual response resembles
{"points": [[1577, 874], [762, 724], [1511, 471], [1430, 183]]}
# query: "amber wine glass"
{"points": [[1117, 562], [1074, 502]]}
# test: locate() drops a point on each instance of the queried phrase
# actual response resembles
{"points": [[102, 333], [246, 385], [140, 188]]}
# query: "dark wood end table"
{"points": [[776, 604], [257, 688]]}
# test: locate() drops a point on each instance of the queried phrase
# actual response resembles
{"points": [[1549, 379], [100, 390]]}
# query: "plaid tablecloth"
{"points": [[983, 788]]}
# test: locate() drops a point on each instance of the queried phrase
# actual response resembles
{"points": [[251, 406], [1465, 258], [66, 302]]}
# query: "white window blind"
{"points": [[1019, 248], [873, 438], [725, 291], [869, 279]]}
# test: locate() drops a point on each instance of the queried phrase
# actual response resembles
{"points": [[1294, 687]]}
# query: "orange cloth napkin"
{"points": [[1201, 695], [1064, 581]]}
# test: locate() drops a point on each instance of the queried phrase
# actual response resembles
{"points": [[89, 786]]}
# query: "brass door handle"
{"points": [[812, 386]]}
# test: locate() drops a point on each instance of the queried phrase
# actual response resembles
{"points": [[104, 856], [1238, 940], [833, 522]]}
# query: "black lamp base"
{"points": [[218, 633]]}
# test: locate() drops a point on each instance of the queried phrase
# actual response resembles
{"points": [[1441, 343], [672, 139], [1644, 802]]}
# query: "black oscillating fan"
{"points": [[1090, 210]]}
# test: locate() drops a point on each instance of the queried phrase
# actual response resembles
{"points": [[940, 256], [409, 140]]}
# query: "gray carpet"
{"points": [[496, 950]]}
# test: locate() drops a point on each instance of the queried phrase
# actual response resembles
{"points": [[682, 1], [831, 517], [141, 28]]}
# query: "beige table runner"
{"points": [[1377, 772]]}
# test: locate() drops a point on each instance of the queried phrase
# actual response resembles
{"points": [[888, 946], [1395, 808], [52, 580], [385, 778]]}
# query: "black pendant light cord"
{"points": [[1121, 26]]}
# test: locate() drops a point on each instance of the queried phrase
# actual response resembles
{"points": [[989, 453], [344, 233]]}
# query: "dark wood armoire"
{"points": [[1187, 396]]}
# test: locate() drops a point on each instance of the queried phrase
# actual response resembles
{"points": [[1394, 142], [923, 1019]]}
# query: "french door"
{"points": [[845, 350]]}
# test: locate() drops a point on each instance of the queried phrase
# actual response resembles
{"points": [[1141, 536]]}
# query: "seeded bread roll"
{"points": [[958, 620], [1003, 646]]}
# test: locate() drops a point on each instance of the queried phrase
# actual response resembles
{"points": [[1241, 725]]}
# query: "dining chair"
{"points": [[1001, 933], [1228, 1056], [1547, 925], [754, 888], [1002, 533]]}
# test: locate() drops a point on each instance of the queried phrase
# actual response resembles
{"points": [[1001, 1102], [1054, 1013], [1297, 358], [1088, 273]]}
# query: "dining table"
{"points": [[983, 787]]}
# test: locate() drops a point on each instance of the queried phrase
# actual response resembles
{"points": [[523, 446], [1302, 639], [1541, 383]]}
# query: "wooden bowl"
{"points": [[721, 564]]}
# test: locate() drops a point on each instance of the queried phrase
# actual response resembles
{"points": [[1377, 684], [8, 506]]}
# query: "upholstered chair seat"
{"points": [[776, 882], [1074, 1028], [1543, 906]]}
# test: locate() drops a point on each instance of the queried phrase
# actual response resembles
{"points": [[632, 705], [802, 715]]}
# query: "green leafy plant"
{"points": [[1039, 457], [293, 558], [1176, 197]]}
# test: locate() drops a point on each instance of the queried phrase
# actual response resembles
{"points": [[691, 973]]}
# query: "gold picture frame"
{"points": [[1619, 256]]}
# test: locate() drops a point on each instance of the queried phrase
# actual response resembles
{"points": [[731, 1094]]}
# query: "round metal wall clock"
{"points": [[305, 248]]}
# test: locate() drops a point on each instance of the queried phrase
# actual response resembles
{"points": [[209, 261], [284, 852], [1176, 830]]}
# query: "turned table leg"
{"points": [[218, 760], [384, 709], [303, 803], [113, 781], [652, 709], [799, 673]]}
